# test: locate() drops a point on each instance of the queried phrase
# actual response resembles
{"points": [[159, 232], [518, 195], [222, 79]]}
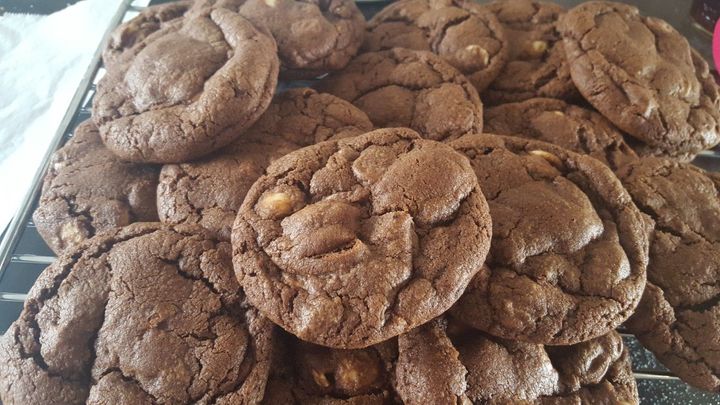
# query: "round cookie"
{"points": [[188, 89], [136, 30], [710, 98], [643, 76], [304, 373], [569, 126], [143, 314], [460, 365], [348, 243], [87, 190], [679, 314], [536, 65], [415, 89], [313, 37], [464, 33], [210, 191], [569, 249]]}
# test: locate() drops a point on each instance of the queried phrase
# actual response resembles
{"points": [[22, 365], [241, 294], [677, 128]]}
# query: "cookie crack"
{"points": [[440, 37], [37, 357], [205, 281], [128, 379], [650, 211], [684, 352], [701, 306], [700, 358], [454, 79], [35, 304], [195, 212], [84, 214], [225, 310]]}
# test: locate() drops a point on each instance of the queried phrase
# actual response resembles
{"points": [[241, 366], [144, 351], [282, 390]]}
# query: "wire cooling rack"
{"points": [[24, 255]]}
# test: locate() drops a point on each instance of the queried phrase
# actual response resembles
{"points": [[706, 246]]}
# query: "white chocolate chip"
{"points": [[271, 3], [552, 159], [479, 52], [70, 233], [559, 113], [538, 48], [274, 205], [348, 374], [320, 378]]}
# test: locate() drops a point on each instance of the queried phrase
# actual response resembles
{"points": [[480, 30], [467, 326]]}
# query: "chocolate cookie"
{"points": [[569, 248], [569, 126], [462, 32], [348, 243], [679, 314], [87, 190], [304, 373], [313, 36], [465, 366], [711, 99], [415, 89], [641, 74], [536, 65], [147, 314], [211, 190], [136, 30], [188, 89]]}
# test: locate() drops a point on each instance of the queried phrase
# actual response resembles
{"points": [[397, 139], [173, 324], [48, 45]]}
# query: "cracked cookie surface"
{"points": [[313, 36], [88, 189], [441, 363], [643, 76], [679, 314], [304, 373], [148, 313], [569, 248], [536, 65], [133, 32], [188, 89], [569, 126], [348, 243], [463, 33], [414, 89], [211, 190]]}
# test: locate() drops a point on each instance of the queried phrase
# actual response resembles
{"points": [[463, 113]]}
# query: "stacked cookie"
{"points": [[385, 237]]}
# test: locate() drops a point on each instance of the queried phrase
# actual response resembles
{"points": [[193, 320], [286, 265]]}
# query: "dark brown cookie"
{"points": [[313, 36], [678, 318], [148, 314], [415, 89], [569, 248], [210, 191], [349, 243], [188, 89], [569, 126], [459, 365], [642, 75], [304, 373], [711, 100], [536, 65], [136, 30], [462, 32], [87, 190]]}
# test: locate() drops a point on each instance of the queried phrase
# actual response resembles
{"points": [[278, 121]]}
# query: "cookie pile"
{"points": [[463, 209]]}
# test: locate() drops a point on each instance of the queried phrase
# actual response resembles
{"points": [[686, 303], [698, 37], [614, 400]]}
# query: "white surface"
{"points": [[42, 61]]}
